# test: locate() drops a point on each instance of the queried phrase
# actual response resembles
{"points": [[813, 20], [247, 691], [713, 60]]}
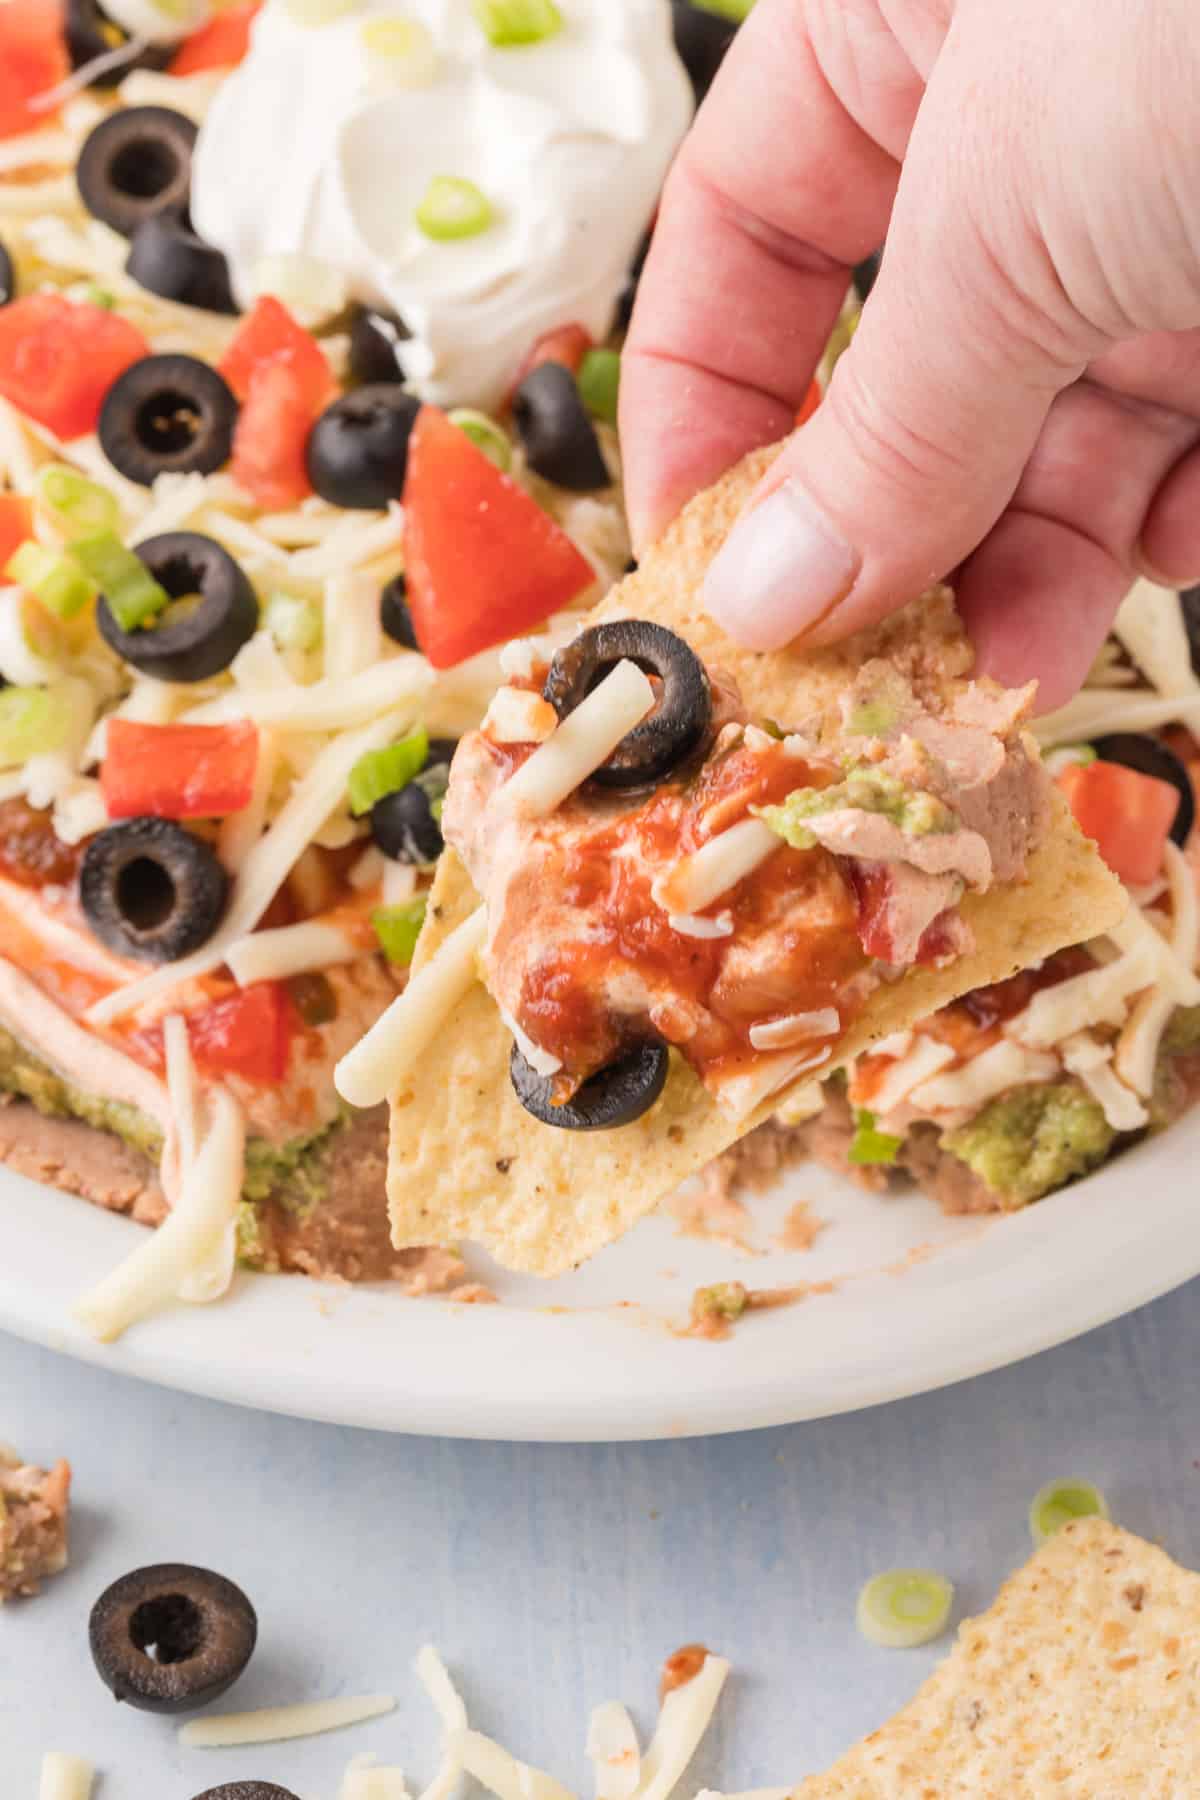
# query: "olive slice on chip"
{"points": [[168, 415], [171, 1637], [134, 164], [1148, 756], [151, 890], [665, 737], [205, 634], [614, 1096]]}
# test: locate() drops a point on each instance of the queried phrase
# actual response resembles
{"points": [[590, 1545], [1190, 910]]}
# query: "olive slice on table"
{"points": [[394, 616], [201, 638], [8, 277], [91, 34], [666, 736], [374, 337], [614, 1096], [1189, 602], [1145, 754], [557, 436], [701, 40], [247, 1790], [167, 258], [151, 890], [135, 163], [358, 448], [171, 1637], [168, 415]]}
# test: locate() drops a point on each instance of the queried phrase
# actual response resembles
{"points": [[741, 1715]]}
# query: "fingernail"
{"points": [[782, 567]]}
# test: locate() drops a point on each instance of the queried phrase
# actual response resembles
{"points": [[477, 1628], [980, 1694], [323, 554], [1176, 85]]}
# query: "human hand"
{"points": [[1020, 405]]}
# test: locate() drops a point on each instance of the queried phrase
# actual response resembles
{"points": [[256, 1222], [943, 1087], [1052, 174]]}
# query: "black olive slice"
{"points": [[8, 277], [1189, 601], [151, 890], [358, 448], [394, 615], [135, 163], [679, 721], [168, 415], [90, 34], [167, 258], [865, 273], [373, 340], [701, 40], [171, 1637], [615, 1096], [558, 437], [247, 1790], [628, 294], [403, 825], [1149, 757], [201, 639]]}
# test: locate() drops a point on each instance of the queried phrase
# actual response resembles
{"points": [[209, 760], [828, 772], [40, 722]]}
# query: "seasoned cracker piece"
{"points": [[33, 1523], [1082, 1682]]}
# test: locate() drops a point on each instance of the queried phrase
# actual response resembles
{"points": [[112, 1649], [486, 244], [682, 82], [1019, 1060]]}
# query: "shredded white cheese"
{"points": [[187, 1238], [1001, 1066], [1150, 625], [1097, 997], [682, 1722], [353, 636], [585, 738], [290, 950], [695, 925], [452, 1712], [266, 866], [1093, 713], [365, 1779], [697, 880], [1091, 1061], [1136, 1056], [373, 1070], [781, 1034], [324, 705], [65, 1777], [614, 1752], [273, 1724], [502, 1774], [925, 1057]]}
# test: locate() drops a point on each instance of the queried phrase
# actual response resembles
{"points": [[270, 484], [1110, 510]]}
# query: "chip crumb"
{"points": [[34, 1506]]}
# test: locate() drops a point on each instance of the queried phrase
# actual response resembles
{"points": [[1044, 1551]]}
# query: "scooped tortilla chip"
{"points": [[1081, 1683], [468, 1162]]}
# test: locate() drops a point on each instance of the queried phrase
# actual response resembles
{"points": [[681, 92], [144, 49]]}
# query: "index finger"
{"points": [[779, 189]]}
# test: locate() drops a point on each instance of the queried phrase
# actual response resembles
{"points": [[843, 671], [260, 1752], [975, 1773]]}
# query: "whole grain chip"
{"points": [[567, 1196], [1031, 1704]]}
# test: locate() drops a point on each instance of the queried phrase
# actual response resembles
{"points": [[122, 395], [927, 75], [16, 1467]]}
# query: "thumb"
{"points": [[928, 422]]}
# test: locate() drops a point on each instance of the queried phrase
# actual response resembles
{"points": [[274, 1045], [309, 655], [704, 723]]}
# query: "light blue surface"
{"points": [[552, 1578]]}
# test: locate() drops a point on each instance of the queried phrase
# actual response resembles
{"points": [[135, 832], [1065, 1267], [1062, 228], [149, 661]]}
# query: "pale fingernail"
{"points": [[782, 567]]}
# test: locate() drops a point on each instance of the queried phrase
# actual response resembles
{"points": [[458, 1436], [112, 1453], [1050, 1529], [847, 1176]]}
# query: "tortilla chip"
{"points": [[468, 1162], [1081, 1683]]}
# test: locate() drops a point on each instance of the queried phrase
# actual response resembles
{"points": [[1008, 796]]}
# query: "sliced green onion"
{"points": [[737, 10], [869, 1145], [904, 1607], [100, 297], [1069, 756], [453, 208], [79, 507], [510, 22], [483, 431], [295, 622], [398, 928], [599, 379], [380, 772], [32, 719], [1054, 1505], [400, 50], [133, 595], [318, 12], [58, 582]]}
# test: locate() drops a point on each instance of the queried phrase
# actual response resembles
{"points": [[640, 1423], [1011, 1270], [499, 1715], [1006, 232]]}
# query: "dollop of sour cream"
{"points": [[316, 147]]}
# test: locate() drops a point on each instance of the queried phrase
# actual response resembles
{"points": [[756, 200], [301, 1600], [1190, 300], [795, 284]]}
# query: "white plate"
{"points": [[919, 1301]]}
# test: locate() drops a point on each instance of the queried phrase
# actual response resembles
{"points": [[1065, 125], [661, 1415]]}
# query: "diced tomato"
{"points": [[483, 561], [33, 59], [271, 438], [872, 884], [1128, 814], [16, 525], [566, 344], [282, 377], [810, 403], [248, 1033], [177, 771], [221, 44], [59, 357], [270, 334]]}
